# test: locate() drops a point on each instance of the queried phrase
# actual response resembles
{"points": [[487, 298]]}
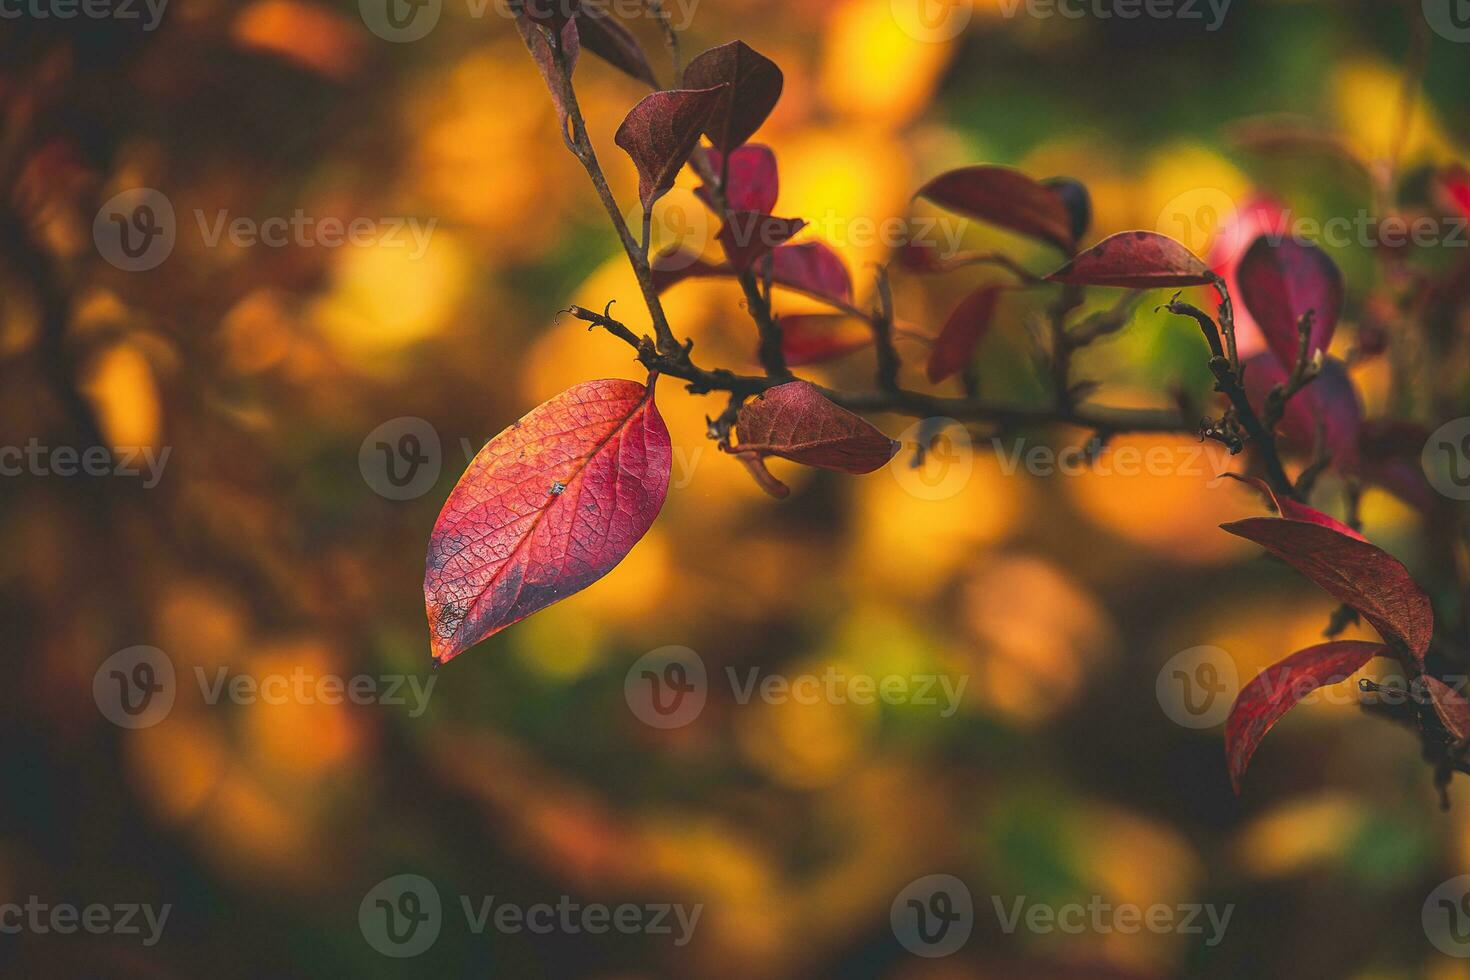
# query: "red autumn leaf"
{"points": [[1259, 214], [1450, 705], [1454, 188], [1006, 198], [1274, 691], [1390, 451], [545, 61], [796, 421], [752, 181], [1353, 571], [812, 338], [1325, 411], [659, 134], [749, 235], [1280, 281], [1137, 260], [600, 33], [548, 507], [754, 88], [964, 329], [810, 267], [1292, 510]]}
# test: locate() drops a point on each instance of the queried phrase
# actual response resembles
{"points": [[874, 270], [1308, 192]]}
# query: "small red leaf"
{"points": [[1006, 198], [659, 134], [811, 338], [749, 235], [752, 180], [1137, 260], [796, 422], [1327, 410], [1280, 281], [601, 34], [962, 332], [1450, 705], [1259, 214], [546, 62], [545, 509], [810, 267], [754, 88], [1353, 571], [1273, 692]]}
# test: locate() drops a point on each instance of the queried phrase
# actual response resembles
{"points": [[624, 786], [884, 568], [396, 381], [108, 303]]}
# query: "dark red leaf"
{"points": [[1074, 197], [1390, 450], [753, 182], [755, 87], [796, 422], [548, 507], [1292, 510], [810, 267], [1006, 198], [748, 235], [811, 338], [1325, 411], [601, 34], [1259, 214], [962, 332], [659, 134], [1137, 260], [1280, 281], [545, 61], [1353, 571], [1450, 705], [1273, 692]]}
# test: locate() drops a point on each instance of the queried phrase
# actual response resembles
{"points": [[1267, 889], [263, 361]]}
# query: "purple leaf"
{"points": [[754, 88], [659, 134]]}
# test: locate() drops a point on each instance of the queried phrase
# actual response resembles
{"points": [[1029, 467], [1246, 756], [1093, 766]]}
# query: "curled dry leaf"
{"points": [[962, 332], [600, 33], [546, 62], [546, 508], [660, 132], [1450, 705], [1351, 570], [1007, 199], [748, 235], [752, 183], [1282, 280], [754, 88], [797, 422], [1137, 260], [1273, 692], [812, 338], [810, 267]]}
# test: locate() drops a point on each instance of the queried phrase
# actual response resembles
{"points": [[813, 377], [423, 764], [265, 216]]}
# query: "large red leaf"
{"points": [[1355, 572], [548, 507], [1006, 198], [1280, 281], [752, 181], [810, 267], [749, 235], [1137, 260], [660, 132], [811, 338], [1273, 692], [754, 88], [964, 329], [797, 422], [545, 60], [1328, 409]]}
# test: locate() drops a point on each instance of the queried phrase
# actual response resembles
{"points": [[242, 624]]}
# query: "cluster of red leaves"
{"points": [[558, 499]]}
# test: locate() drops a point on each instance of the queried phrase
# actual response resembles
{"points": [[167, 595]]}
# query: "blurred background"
{"points": [[276, 537]]}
